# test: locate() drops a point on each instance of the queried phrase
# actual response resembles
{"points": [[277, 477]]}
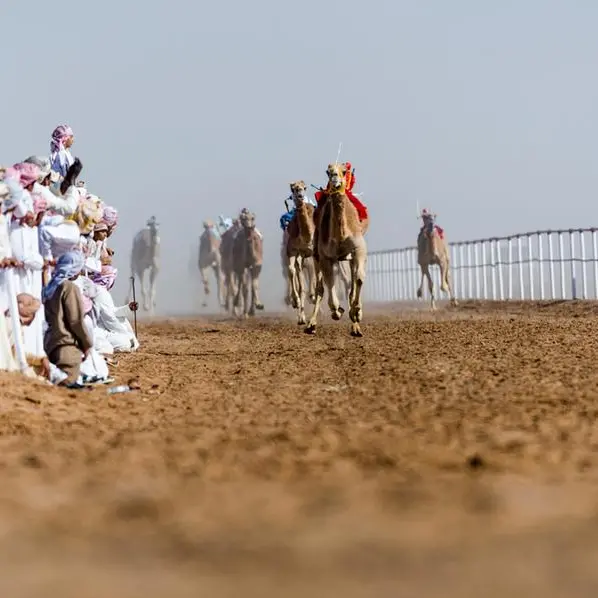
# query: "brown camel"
{"points": [[247, 264], [209, 257], [339, 236], [226, 263], [299, 249], [432, 249]]}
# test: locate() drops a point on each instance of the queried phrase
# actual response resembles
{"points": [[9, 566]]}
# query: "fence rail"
{"points": [[548, 264]]}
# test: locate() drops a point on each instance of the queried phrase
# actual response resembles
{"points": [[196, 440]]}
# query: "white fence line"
{"points": [[550, 264]]}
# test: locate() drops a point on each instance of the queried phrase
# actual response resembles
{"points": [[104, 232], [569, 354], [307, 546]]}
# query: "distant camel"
{"points": [[432, 249], [247, 264], [226, 264], [299, 250], [145, 255], [209, 257], [339, 235]]}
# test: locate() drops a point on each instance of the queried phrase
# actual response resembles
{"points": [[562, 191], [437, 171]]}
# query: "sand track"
{"points": [[441, 455]]}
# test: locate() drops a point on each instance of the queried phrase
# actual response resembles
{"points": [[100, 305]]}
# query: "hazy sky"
{"points": [[483, 111]]}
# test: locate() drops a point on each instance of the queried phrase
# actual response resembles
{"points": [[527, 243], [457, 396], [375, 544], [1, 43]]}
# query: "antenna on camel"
{"points": [[338, 154]]}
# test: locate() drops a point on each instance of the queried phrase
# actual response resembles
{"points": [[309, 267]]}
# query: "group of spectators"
{"points": [[58, 320]]}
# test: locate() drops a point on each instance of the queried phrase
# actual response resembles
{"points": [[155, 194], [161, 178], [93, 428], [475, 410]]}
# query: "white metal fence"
{"points": [[559, 264]]}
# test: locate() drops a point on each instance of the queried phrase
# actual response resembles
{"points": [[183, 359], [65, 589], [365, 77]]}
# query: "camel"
{"points": [[226, 264], [209, 257], [299, 250], [432, 249], [339, 236], [247, 263], [145, 255]]}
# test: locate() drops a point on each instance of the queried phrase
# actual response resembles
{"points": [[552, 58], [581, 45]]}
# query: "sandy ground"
{"points": [[450, 455]]}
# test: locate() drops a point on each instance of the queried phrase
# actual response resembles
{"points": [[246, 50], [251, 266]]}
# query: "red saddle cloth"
{"points": [[362, 211], [439, 231]]}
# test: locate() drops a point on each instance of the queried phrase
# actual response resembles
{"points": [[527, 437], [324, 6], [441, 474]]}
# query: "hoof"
{"points": [[259, 306], [419, 293], [301, 322], [356, 333], [310, 330], [337, 315]]}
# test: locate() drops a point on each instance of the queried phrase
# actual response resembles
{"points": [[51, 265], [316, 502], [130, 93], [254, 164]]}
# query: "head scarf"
{"points": [[89, 213], [59, 135], [28, 173], [28, 305], [110, 217], [43, 163], [106, 278], [69, 264]]}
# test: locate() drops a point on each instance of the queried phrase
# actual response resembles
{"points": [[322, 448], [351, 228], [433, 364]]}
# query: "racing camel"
{"points": [[299, 250], [209, 257], [247, 264], [145, 255], [226, 264], [432, 249], [339, 236]]}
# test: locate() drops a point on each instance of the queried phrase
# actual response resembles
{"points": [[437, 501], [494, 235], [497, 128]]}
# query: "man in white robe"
{"points": [[24, 243], [111, 319]]}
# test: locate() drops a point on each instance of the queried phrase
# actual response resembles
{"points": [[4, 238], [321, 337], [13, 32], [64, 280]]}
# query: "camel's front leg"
{"points": [[313, 320], [292, 281], [241, 294], [426, 272], [336, 311], [255, 289], [144, 291], [446, 281], [300, 288], [218, 276], [153, 276], [310, 272], [358, 267], [206, 286]]}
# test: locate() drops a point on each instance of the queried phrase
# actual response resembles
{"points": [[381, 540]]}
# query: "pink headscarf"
{"points": [[60, 133], [110, 217], [106, 278], [28, 173]]}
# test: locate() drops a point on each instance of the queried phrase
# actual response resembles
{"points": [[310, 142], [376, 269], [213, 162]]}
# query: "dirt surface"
{"points": [[444, 455]]}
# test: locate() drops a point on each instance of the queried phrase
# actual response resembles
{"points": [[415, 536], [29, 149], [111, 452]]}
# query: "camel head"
{"points": [[247, 220], [336, 177], [298, 190], [153, 226], [429, 220]]}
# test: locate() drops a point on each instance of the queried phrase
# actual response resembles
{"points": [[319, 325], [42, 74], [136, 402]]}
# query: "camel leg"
{"points": [[292, 281], [152, 280], [357, 265], [344, 269], [206, 286], [218, 276], [144, 291], [241, 293], [255, 287], [328, 274], [300, 289], [420, 290], [313, 320], [426, 273], [445, 276], [310, 271]]}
